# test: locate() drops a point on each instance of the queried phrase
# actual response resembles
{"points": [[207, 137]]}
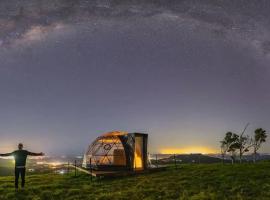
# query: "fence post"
{"points": [[156, 161], [175, 161], [75, 164], [91, 169]]}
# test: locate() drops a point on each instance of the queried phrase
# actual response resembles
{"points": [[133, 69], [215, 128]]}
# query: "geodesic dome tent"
{"points": [[117, 151]]}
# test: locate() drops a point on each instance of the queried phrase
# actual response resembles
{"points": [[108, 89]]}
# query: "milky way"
{"points": [[185, 71], [246, 20]]}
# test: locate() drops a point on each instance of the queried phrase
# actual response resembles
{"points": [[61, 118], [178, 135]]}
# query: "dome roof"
{"points": [[115, 133], [117, 150]]}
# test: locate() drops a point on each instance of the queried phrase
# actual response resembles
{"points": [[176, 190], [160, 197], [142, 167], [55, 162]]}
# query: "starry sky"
{"points": [[184, 71]]}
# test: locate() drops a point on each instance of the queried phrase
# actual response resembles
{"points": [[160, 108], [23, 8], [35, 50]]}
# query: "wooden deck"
{"points": [[98, 174]]}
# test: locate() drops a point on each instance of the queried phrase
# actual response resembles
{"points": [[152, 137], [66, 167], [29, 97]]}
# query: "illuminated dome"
{"points": [[117, 150]]}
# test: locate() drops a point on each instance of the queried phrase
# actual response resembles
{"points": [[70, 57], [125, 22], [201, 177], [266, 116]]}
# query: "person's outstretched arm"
{"points": [[5, 154], [35, 154]]}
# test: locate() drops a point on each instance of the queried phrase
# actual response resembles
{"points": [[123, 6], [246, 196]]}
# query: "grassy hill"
{"points": [[193, 181], [6, 167]]}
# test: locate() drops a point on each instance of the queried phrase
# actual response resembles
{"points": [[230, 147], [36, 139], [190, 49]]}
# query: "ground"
{"points": [[197, 181]]}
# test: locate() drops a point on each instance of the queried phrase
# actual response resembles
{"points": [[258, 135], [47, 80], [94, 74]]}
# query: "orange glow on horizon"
{"points": [[188, 150]]}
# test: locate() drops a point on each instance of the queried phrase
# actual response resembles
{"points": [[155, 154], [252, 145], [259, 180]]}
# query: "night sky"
{"points": [[184, 71]]}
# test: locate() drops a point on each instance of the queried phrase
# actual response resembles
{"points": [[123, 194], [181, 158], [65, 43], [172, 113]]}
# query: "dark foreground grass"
{"points": [[212, 181]]}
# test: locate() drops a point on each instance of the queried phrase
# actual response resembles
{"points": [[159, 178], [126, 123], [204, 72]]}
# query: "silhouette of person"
{"points": [[20, 157]]}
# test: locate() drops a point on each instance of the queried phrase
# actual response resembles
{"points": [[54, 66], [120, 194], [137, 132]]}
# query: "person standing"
{"points": [[20, 157]]}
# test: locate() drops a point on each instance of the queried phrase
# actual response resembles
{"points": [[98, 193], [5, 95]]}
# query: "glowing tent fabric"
{"points": [[117, 151]]}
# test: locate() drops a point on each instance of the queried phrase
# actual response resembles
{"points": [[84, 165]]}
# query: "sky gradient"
{"points": [[184, 71]]}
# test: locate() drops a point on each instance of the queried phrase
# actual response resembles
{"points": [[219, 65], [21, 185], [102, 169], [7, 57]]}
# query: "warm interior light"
{"points": [[110, 140], [119, 157], [138, 160], [115, 133]]}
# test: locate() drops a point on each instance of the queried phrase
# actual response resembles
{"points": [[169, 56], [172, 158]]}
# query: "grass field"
{"points": [[200, 181]]}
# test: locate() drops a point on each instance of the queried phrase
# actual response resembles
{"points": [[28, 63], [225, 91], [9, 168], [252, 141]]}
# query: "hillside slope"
{"points": [[197, 181]]}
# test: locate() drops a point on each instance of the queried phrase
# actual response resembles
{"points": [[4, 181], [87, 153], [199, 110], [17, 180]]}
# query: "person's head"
{"points": [[20, 146]]}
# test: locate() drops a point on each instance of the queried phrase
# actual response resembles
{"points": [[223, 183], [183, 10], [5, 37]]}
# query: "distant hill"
{"points": [[202, 158], [247, 158], [188, 158]]}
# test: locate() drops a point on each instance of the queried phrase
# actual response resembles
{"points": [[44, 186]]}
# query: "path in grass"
{"points": [[213, 181]]}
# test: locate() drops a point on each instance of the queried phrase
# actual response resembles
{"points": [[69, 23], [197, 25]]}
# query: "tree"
{"points": [[233, 148], [223, 150], [228, 144], [243, 143], [260, 136]]}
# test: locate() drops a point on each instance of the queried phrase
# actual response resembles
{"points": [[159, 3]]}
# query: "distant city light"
{"points": [[62, 171], [8, 158], [55, 164]]}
